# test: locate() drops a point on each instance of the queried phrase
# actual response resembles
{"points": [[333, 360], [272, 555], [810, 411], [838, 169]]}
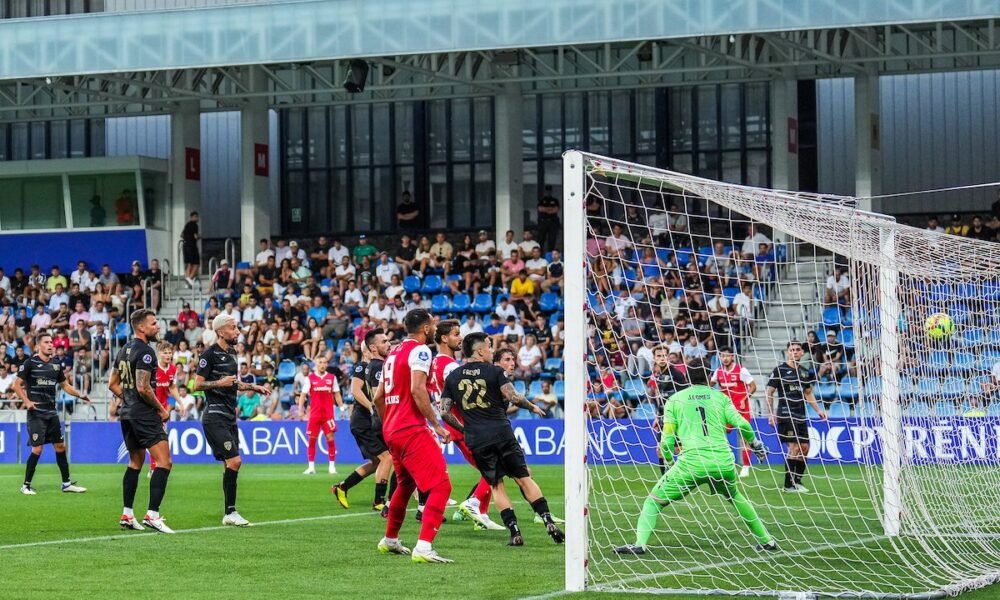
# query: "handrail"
{"points": [[229, 252], [165, 268], [180, 253]]}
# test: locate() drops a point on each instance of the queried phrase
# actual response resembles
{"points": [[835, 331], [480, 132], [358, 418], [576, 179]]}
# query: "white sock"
{"points": [[423, 546], [391, 540], [312, 465], [420, 508], [128, 512], [153, 513], [473, 503]]}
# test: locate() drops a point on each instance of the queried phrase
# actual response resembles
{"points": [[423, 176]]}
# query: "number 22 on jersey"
{"points": [[468, 388]]}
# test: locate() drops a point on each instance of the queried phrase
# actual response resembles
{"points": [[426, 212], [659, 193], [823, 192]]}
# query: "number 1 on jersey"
{"points": [[704, 420]]}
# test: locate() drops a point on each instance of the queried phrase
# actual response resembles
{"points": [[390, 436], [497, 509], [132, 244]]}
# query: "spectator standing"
{"points": [[407, 213], [548, 220], [189, 247]]}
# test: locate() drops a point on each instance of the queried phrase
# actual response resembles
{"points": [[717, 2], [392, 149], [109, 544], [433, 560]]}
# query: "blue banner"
{"points": [[8, 442], [843, 441]]}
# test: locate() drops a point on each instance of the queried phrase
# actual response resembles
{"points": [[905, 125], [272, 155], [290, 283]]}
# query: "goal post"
{"points": [[664, 271]]}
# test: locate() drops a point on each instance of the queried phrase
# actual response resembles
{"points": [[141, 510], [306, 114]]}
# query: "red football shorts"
{"points": [[314, 428], [417, 456], [460, 444]]}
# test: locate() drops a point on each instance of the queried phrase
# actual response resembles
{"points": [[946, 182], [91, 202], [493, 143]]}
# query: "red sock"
{"points": [[331, 448], [434, 510], [152, 464], [397, 506], [483, 493], [311, 449], [746, 457]]}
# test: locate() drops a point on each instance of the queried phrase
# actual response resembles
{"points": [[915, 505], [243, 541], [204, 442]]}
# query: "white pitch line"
{"points": [[718, 565], [126, 536]]}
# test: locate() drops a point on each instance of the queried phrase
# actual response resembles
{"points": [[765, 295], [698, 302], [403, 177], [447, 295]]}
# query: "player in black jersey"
{"points": [[142, 417], [665, 381], [216, 376], [363, 428], [35, 384], [792, 384], [481, 391]]}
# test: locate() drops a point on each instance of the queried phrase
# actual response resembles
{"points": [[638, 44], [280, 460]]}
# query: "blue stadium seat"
{"points": [[990, 291], [993, 410], [973, 337], [482, 304], [453, 277], [559, 388], [907, 388], [432, 284], [341, 344], [460, 303], [519, 387], [918, 409], [122, 331], [549, 302], [596, 304], [286, 371], [994, 337], [946, 408], [634, 389], [839, 410], [496, 301], [324, 285], [831, 317], [811, 412], [357, 322], [941, 292], [929, 387], [848, 389], [872, 389], [411, 284], [967, 291], [664, 254], [825, 390], [954, 388], [534, 389], [729, 293], [866, 409], [959, 312], [683, 256], [554, 365], [847, 318], [846, 337], [965, 361], [644, 412], [939, 361], [554, 318], [440, 304]]}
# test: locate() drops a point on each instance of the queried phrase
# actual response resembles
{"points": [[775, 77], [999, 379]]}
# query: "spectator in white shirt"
{"points": [[484, 245], [265, 251], [185, 407], [344, 273], [718, 306], [353, 296], [296, 252], [380, 311], [395, 289], [252, 312], [659, 226], [337, 253], [753, 241], [58, 298], [79, 276], [529, 360], [838, 285], [506, 310], [678, 221], [386, 269], [508, 245], [694, 349], [471, 325], [528, 245], [513, 333], [42, 320], [617, 242], [281, 252], [537, 266], [743, 302]]}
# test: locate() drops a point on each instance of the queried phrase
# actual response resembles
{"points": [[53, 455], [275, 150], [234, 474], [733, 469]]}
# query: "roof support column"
{"points": [[509, 165], [255, 170], [785, 131], [185, 171], [868, 139]]}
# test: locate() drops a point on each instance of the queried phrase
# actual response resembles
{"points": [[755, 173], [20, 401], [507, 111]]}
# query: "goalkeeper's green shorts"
{"points": [[685, 476]]}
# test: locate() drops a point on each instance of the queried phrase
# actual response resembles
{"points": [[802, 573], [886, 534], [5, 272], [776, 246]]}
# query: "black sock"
{"points": [[541, 508], [422, 497], [380, 487], [663, 466], [789, 472], [800, 470], [130, 483], [392, 487], [157, 487], [229, 489], [29, 470], [510, 520], [352, 480], [63, 465]]}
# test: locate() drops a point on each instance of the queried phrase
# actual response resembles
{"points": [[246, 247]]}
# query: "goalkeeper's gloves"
{"points": [[759, 450]]}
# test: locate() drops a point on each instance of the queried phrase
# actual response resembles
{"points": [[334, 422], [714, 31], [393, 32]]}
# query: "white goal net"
{"points": [[900, 488]]}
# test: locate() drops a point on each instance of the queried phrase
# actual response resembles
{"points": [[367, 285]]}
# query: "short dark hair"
{"points": [[697, 373], [139, 316], [370, 337], [502, 352], [416, 318], [40, 337], [194, 213], [726, 349], [793, 343], [444, 328], [471, 341]]}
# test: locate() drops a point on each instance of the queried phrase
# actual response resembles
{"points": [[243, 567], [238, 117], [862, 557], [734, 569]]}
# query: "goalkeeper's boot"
{"points": [[341, 495], [156, 524], [554, 532], [419, 515], [387, 546], [768, 547], [27, 490], [70, 487], [429, 556], [515, 539], [555, 519], [130, 522], [377, 507], [235, 519], [631, 550], [384, 513]]}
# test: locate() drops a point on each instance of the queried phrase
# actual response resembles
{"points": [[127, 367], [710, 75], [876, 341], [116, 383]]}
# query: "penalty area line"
{"points": [[128, 536]]}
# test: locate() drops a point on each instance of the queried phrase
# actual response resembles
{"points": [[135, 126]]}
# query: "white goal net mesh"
{"points": [[902, 477]]}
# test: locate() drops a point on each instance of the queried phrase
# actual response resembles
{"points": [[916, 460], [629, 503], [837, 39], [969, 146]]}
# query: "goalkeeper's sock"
{"points": [[750, 517], [800, 470], [663, 466], [541, 508], [510, 521], [351, 480], [647, 521], [380, 487], [789, 470]]}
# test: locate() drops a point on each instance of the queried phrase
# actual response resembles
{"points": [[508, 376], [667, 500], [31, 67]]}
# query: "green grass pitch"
{"points": [[56, 545]]}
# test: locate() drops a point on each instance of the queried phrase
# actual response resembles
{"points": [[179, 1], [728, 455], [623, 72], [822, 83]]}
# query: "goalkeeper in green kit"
{"points": [[698, 417]]}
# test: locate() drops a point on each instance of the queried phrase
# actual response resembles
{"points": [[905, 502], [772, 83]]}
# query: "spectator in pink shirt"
{"points": [[511, 267]]}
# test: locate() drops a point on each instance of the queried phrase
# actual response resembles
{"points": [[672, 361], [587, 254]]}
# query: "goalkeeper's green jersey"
{"points": [[700, 415]]}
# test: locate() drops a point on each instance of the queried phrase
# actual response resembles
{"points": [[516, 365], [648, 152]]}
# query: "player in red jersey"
{"points": [[166, 384], [405, 407], [323, 390], [448, 339], [737, 383]]}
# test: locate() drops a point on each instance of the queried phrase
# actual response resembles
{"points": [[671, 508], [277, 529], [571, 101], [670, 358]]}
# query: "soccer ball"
{"points": [[939, 326]]}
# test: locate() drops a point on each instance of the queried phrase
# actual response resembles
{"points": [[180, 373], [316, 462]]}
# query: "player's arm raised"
{"points": [[418, 389], [510, 394], [144, 387], [446, 405]]}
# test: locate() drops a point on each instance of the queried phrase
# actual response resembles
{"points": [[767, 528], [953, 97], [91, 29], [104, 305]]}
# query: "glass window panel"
{"points": [[20, 141], [295, 197], [645, 121], [708, 165], [97, 137], [77, 138], [317, 134], [646, 159], [339, 204], [154, 196], [385, 200], [117, 203], [39, 141], [757, 119], [404, 183], [361, 199], [319, 201], [461, 115], [708, 123], [681, 126], [4, 150], [621, 123], [57, 139], [484, 208], [437, 131], [529, 132], [461, 194], [682, 163], [32, 203], [404, 132], [361, 135], [597, 115], [552, 130], [732, 170], [731, 118], [483, 124], [531, 189], [437, 196], [575, 127], [338, 135], [293, 138], [758, 168], [381, 142]]}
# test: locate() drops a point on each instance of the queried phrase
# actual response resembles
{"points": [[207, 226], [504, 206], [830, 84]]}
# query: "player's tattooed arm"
{"points": [[203, 385], [511, 395], [145, 389], [447, 416]]}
